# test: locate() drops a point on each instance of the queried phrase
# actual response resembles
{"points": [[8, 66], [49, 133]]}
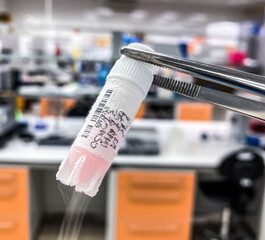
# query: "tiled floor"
{"points": [[89, 231], [51, 233]]}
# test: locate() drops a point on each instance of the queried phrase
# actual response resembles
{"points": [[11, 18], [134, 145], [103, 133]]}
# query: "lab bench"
{"points": [[30, 169]]}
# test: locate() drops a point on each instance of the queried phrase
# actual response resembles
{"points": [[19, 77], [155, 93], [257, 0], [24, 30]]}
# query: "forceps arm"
{"points": [[224, 76], [220, 75]]}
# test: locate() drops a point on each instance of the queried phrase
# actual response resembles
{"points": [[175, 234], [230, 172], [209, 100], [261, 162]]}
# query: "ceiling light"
{"points": [[104, 12], [138, 14], [32, 20], [237, 2], [90, 16], [198, 17], [166, 18], [223, 30]]}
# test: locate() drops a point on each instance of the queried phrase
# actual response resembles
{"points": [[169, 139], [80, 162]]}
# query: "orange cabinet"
{"points": [[14, 204], [154, 205], [193, 111]]}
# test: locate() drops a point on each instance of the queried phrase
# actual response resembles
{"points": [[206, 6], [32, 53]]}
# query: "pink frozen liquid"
{"points": [[93, 163]]}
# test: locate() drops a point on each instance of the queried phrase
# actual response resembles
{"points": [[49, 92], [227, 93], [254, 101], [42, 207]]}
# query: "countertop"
{"points": [[179, 143], [208, 156]]}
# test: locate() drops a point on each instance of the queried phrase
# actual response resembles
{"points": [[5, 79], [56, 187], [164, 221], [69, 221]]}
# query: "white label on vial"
{"points": [[105, 129]]}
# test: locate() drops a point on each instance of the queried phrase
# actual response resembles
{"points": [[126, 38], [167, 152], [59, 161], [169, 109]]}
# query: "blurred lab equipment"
{"points": [[256, 133], [7, 78], [235, 191], [7, 118], [140, 141]]}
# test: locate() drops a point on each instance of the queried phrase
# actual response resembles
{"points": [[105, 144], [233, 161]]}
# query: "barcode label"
{"points": [[101, 105], [87, 131], [98, 111]]}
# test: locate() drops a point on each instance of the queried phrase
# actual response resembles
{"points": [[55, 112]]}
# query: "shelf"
{"points": [[41, 92], [17, 57], [82, 92]]}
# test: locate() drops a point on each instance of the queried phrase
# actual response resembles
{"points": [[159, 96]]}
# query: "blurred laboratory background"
{"points": [[186, 170]]}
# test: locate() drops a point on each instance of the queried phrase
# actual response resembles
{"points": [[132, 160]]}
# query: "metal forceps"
{"points": [[232, 78]]}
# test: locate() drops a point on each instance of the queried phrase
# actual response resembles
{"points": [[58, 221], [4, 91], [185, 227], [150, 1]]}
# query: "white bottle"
{"points": [[106, 124]]}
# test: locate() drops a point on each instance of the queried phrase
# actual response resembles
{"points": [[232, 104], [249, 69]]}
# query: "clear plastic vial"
{"points": [[107, 123]]}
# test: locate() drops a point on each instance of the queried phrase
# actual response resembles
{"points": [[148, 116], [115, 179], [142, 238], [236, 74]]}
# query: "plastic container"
{"points": [[107, 124]]}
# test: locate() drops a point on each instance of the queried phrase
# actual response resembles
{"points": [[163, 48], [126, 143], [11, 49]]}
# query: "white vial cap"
{"points": [[137, 72]]}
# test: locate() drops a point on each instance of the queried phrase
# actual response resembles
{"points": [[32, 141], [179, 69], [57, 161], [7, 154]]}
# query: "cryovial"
{"points": [[107, 123]]}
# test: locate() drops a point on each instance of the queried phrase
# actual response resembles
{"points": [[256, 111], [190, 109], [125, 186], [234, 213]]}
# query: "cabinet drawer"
{"points": [[14, 200], [150, 203], [152, 197], [14, 192], [156, 180], [14, 176], [14, 228], [153, 229]]}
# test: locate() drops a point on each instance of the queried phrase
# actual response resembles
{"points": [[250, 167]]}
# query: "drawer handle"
{"points": [[155, 197], [7, 177], [7, 225], [154, 228], [141, 181], [7, 193]]}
